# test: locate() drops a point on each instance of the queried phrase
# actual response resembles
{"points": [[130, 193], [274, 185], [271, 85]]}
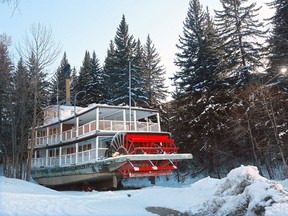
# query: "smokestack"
{"points": [[67, 72]]}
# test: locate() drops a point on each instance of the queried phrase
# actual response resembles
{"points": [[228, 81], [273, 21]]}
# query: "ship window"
{"points": [[84, 147]]}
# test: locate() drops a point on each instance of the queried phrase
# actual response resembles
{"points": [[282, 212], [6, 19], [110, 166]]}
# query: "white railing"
{"points": [[47, 140], [68, 159], [87, 128], [111, 125], [83, 157], [106, 125], [69, 134], [39, 162], [147, 126]]}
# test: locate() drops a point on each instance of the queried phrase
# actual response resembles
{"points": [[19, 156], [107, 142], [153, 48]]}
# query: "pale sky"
{"points": [[80, 25]]}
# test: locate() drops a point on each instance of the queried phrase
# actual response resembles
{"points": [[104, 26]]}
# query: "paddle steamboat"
{"points": [[79, 146]]}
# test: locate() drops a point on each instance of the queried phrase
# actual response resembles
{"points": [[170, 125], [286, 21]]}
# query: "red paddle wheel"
{"points": [[145, 144]]}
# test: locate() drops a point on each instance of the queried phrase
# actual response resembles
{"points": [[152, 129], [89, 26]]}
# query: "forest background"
{"points": [[230, 101]]}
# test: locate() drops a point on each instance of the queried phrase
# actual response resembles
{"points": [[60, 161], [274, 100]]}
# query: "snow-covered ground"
{"points": [[242, 192]]}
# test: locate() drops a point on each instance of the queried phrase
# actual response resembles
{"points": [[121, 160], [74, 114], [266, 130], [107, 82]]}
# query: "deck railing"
{"points": [[104, 125], [83, 157]]}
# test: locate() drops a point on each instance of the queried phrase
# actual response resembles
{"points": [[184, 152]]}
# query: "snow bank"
{"points": [[11, 185], [245, 192], [242, 192]]}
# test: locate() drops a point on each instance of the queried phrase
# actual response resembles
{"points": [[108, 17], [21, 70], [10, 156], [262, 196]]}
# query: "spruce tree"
{"points": [[73, 82], [197, 101], [154, 74], [95, 90], [40, 85], [124, 52], [21, 118], [83, 79], [6, 68], [58, 83], [138, 91], [240, 31], [191, 76], [278, 41], [110, 77]]}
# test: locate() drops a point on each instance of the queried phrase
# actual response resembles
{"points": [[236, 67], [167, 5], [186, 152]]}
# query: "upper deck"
{"points": [[63, 124]]}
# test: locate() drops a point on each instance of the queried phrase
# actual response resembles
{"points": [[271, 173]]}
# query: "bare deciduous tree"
{"points": [[38, 51], [41, 44]]}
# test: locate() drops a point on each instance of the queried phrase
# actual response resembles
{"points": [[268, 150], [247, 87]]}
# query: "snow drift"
{"points": [[245, 192], [242, 192]]}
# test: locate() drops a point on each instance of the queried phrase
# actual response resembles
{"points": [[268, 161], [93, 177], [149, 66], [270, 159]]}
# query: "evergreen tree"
{"points": [[212, 64], [240, 31], [6, 68], [278, 42], [191, 74], [193, 59], [198, 100], [20, 110], [95, 91], [138, 91], [83, 79], [39, 84], [154, 74], [124, 52], [73, 82], [58, 84], [110, 77]]}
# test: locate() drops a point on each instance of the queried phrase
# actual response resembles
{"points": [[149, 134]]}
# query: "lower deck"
{"points": [[79, 153]]}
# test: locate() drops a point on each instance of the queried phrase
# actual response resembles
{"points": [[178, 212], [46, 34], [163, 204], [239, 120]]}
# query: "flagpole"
{"points": [[130, 94]]}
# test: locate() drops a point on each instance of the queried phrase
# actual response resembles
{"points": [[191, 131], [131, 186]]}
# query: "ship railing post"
{"points": [[97, 119], [135, 121], [77, 126], [47, 132], [46, 162], [124, 119], [60, 154], [61, 131], [76, 156], [158, 122], [96, 149]]}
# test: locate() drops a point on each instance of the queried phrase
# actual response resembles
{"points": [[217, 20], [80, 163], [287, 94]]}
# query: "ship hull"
{"points": [[100, 175], [78, 177]]}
